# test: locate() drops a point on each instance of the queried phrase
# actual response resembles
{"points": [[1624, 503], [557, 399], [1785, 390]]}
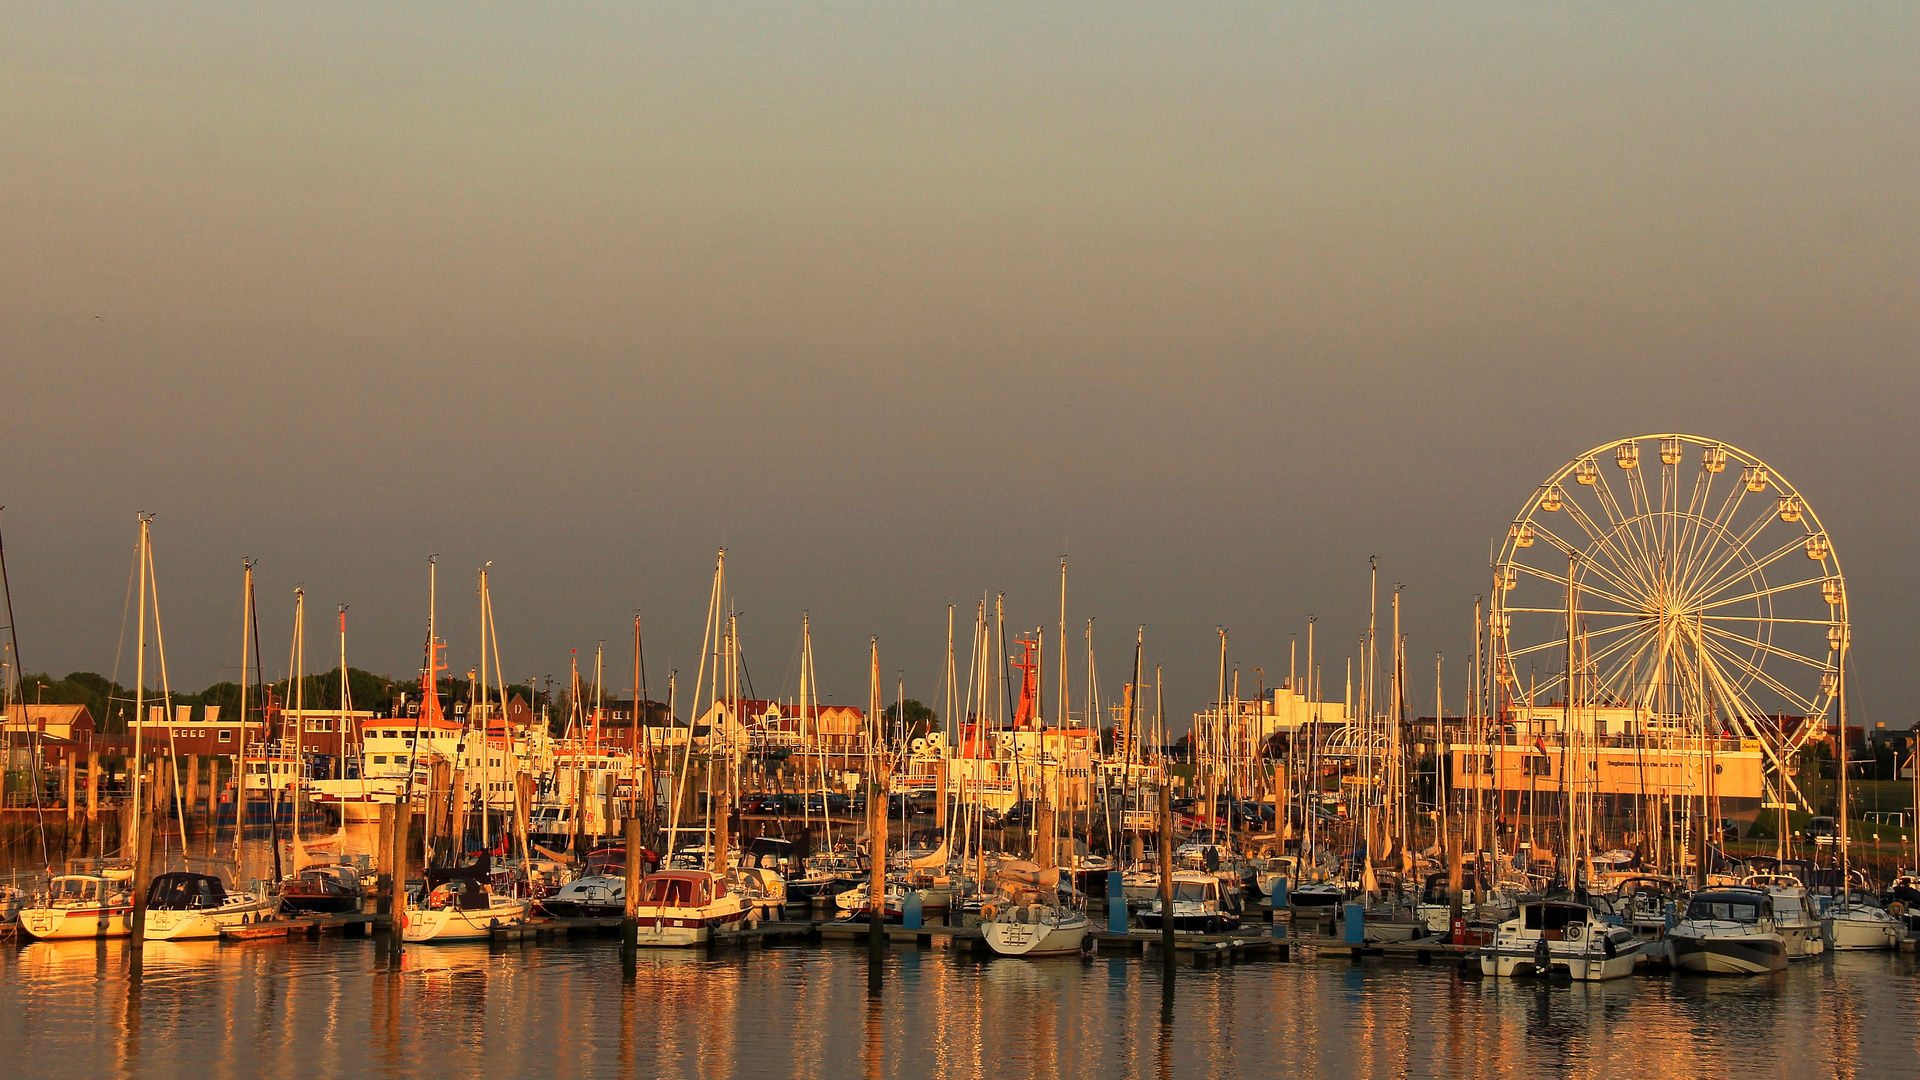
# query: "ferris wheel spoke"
{"points": [[1628, 686], [1711, 537], [1698, 599], [1585, 589], [1734, 547], [1787, 693], [1612, 578], [1602, 541], [1643, 562], [1562, 612], [1768, 618], [1767, 647], [1560, 643], [1757, 594]]}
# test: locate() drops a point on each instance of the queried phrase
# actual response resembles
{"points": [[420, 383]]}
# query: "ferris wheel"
{"points": [[1680, 578]]}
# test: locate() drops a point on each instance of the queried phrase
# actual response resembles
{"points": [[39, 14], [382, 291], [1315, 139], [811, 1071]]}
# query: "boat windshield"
{"points": [[1724, 910], [68, 890], [1189, 891]]}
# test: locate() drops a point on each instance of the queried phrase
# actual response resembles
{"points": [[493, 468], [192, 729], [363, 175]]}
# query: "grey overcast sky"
{"points": [[900, 303]]}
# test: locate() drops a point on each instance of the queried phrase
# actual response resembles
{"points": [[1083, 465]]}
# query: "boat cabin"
{"points": [[1730, 905], [680, 888], [1551, 920], [77, 890], [185, 892], [465, 894]]}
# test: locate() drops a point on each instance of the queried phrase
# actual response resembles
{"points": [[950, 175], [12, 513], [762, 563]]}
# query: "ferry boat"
{"points": [[186, 906], [82, 906]]}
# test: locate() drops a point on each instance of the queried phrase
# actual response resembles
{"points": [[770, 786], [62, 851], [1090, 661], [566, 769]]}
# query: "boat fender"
{"points": [[1542, 958], [1606, 946]]}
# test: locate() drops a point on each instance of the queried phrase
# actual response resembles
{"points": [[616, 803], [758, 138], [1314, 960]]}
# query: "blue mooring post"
{"points": [[1356, 924], [1277, 900], [910, 911], [1116, 903]]}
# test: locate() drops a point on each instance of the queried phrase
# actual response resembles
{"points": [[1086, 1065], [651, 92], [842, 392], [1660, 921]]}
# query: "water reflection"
{"points": [[334, 1007]]}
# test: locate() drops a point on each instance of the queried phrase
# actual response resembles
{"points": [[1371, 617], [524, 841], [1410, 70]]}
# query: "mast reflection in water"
{"points": [[333, 1007]]}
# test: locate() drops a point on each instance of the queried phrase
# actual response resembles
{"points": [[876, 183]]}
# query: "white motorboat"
{"points": [[185, 906], [593, 896], [1200, 906], [1550, 937], [1729, 932], [461, 909], [82, 906], [1794, 918], [685, 907], [1857, 923]]}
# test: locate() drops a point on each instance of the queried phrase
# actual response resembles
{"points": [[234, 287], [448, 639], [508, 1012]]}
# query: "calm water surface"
{"points": [[334, 1007]]}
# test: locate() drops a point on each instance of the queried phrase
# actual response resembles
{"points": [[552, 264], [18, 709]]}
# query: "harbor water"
{"points": [[333, 1006]]}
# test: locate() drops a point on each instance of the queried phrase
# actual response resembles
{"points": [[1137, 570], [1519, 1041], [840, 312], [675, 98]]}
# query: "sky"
{"points": [[901, 304]]}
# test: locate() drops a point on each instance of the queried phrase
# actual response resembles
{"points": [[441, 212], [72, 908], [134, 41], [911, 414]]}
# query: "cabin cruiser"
{"points": [[1027, 918], [1549, 937], [82, 906], [461, 909], [592, 896], [685, 907], [1903, 901], [1794, 917], [1857, 923], [1200, 906], [326, 890], [183, 906], [1728, 931]]}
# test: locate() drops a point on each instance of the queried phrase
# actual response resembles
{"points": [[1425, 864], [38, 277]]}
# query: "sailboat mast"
{"points": [[139, 767]]}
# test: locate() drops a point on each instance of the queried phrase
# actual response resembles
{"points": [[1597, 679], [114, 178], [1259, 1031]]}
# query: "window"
{"points": [[1536, 766], [226, 736], [379, 759]]}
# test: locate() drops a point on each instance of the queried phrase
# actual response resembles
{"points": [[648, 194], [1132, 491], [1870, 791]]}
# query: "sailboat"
{"points": [[1028, 919], [186, 905]]}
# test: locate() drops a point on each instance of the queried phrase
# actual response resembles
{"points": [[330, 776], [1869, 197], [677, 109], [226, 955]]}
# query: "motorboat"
{"points": [[1200, 906], [1728, 931], [326, 890], [82, 906], [592, 896], [184, 906], [825, 875], [461, 909], [1794, 917], [1857, 923], [685, 907], [1551, 937]]}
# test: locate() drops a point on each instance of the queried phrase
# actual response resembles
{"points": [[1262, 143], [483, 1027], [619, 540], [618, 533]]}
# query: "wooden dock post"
{"points": [[1166, 870], [630, 924]]}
